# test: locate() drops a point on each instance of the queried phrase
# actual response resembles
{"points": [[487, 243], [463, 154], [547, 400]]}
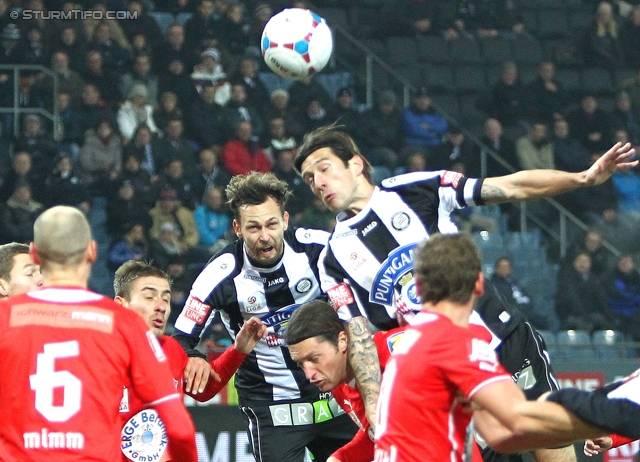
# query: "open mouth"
{"points": [[158, 323], [265, 250]]}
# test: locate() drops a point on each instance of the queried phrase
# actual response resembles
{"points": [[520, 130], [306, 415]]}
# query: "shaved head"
{"points": [[61, 236]]}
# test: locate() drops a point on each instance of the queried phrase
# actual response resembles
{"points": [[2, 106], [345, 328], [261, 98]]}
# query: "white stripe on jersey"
{"points": [[628, 390], [60, 295], [478, 321]]}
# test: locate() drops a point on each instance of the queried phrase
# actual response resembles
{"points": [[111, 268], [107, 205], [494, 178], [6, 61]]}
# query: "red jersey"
{"points": [[65, 354], [142, 434], [435, 367]]}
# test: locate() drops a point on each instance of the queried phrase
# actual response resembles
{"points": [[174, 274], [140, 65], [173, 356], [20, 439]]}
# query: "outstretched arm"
{"points": [[363, 357], [536, 184]]}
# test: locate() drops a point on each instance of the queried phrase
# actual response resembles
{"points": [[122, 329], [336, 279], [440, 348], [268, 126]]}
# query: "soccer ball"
{"points": [[296, 43]]}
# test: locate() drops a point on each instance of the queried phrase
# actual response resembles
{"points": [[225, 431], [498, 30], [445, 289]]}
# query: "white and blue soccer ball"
{"points": [[296, 43]]}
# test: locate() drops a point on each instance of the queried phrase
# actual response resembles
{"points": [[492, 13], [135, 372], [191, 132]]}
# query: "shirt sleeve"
{"points": [[334, 282], [620, 440], [225, 366], [359, 449]]}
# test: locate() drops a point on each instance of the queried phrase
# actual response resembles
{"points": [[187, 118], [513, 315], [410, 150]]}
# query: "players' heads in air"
{"points": [[62, 240], [448, 267], [146, 290], [332, 165], [258, 201], [18, 274], [317, 341]]}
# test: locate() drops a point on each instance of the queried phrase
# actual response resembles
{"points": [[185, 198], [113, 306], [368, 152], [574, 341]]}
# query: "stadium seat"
{"points": [[469, 112], [530, 19], [401, 51], [597, 81], [448, 105], [432, 49], [412, 72], [464, 50], [527, 51], [438, 78], [496, 49], [553, 23], [574, 344], [609, 344], [470, 79]]}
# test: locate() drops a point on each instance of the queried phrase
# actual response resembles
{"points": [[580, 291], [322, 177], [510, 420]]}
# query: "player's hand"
{"points": [[598, 445], [250, 334], [333, 459], [196, 375], [614, 160]]}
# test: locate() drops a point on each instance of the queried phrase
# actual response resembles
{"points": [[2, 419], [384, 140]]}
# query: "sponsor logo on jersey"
{"points": [[124, 401], [252, 304], [394, 340], [304, 285], [275, 281], [53, 440], [340, 296], [285, 415], [484, 355], [392, 272], [255, 278], [195, 310], [45, 314], [277, 324], [144, 437], [451, 179], [400, 221], [370, 227], [155, 346], [351, 232]]}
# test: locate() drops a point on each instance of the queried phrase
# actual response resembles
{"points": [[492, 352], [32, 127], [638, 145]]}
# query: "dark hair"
{"points": [[254, 189], [314, 319], [7, 252], [338, 141], [129, 272], [447, 267]]}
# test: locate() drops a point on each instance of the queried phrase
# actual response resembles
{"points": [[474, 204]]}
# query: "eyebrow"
{"points": [[153, 289], [306, 171]]}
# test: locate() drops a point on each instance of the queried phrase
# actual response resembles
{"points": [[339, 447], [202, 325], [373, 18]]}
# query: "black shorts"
{"points": [[281, 432], [524, 355]]}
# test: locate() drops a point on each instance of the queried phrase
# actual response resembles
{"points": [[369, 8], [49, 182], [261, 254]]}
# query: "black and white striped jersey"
{"points": [[372, 251], [231, 284]]}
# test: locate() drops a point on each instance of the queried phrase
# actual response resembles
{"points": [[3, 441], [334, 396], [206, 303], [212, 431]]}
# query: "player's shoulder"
{"points": [[172, 348], [307, 236], [436, 178], [219, 268]]}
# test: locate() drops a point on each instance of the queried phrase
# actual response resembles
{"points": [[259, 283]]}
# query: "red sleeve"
{"points": [[225, 365], [151, 381], [620, 440], [385, 343], [359, 449]]}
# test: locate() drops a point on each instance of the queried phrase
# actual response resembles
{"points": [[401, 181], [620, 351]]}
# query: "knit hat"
{"points": [[138, 90]]}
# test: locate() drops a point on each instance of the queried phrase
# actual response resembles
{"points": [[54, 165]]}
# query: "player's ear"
{"points": [[92, 251], [285, 219], [357, 164], [478, 289], [120, 300], [33, 254], [343, 341], [4, 288], [236, 228]]}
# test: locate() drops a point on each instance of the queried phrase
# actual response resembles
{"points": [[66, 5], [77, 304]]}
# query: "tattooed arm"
{"points": [[536, 184], [363, 357]]}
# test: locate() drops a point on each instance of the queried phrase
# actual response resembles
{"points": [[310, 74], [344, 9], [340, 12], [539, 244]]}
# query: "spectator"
{"points": [[130, 246], [126, 208], [303, 91], [473, 17], [209, 174], [168, 209], [257, 94], [173, 49], [104, 78], [280, 107], [591, 244], [601, 45], [630, 38], [239, 109], [627, 186], [546, 97], [243, 154], [212, 221], [114, 55], [174, 146], [134, 112], [141, 74], [493, 137], [507, 97], [39, 143], [115, 34], [167, 110], [416, 162], [33, 50], [201, 24], [100, 158], [64, 187], [314, 116], [10, 39], [207, 119], [69, 81], [235, 31], [144, 146], [623, 297], [166, 247], [175, 78], [534, 150], [382, 129], [580, 300], [19, 213], [144, 25], [317, 216], [68, 135], [511, 289], [276, 132], [454, 151], [422, 125], [344, 113], [284, 152], [69, 44], [568, 153], [210, 72], [415, 18], [20, 170], [175, 178], [623, 117], [92, 109], [144, 184]]}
